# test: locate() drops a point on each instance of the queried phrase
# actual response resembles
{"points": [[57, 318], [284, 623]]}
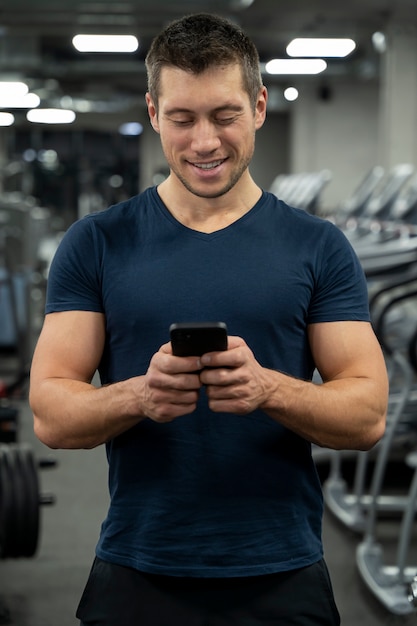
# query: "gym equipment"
{"points": [[380, 203], [8, 421], [301, 190], [374, 220], [23, 227], [356, 203], [390, 264], [390, 584], [352, 508], [20, 500], [393, 585], [405, 206]]}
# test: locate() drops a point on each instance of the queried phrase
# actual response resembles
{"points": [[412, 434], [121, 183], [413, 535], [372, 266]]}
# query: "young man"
{"points": [[216, 507]]}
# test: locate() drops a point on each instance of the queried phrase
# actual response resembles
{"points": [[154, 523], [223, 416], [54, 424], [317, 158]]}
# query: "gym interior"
{"points": [[341, 144]]}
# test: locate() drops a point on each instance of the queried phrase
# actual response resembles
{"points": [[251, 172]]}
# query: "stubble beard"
{"points": [[235, 176]]}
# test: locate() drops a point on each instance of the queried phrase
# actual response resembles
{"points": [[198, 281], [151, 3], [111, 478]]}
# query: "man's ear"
{"points": [[260, 111], [152, 112]]}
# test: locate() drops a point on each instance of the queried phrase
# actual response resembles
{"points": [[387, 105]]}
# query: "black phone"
{"points": [[197, 338]]}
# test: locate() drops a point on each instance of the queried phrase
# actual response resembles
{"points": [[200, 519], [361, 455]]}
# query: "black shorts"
{"points": [[121, 596]]}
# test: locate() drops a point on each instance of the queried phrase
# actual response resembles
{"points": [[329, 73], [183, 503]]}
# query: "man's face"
{"points": [[207, 127]]}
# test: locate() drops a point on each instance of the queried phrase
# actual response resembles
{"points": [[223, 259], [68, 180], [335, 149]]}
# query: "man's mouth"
{"points": [[209, 166]]}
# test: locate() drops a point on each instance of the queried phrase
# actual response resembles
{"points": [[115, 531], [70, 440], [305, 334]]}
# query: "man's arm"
{"points": [[70, 412], [347, 411]]}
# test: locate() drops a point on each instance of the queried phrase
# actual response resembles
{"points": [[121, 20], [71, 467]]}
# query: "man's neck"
{"points": [[207, 215]]}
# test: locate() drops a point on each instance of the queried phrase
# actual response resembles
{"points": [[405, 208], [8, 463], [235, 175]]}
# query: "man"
{"points": [[216, 507]]}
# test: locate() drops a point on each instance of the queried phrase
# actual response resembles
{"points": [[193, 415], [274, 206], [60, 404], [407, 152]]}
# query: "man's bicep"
{"points": [[70, 346], [346, 349]]}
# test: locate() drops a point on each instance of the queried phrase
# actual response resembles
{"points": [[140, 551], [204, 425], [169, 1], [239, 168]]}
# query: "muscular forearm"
{"points": [[348, 413], [75, 414], [71, 413]]}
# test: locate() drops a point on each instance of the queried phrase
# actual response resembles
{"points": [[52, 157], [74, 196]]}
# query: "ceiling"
{"points": [[35, 41]]}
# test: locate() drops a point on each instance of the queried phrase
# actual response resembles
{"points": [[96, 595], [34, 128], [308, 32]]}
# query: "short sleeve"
{"points": [[74, 277], [341, 291]]}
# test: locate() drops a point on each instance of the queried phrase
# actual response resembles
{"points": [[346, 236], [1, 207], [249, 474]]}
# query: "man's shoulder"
{"points": [[122, 215], [289, 212]]}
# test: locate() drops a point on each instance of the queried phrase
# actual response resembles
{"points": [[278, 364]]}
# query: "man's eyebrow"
{"points": [[230, 107], [225, 107], [176, 110]]}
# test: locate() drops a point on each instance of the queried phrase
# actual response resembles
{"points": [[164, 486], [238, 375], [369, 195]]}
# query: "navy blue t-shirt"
{"points": [[209, 494]]}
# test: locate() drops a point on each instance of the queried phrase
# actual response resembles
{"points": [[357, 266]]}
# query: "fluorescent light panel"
{"points": [[295, 66], [28, 101], [51, 116], [13, 88], [105, 43], [316, 47], [6, 119]]}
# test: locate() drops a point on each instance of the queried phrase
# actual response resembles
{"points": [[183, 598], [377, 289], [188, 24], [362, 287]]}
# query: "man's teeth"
{"points": [[208, 166]]}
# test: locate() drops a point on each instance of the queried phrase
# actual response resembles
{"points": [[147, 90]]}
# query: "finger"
{"points": [[158, 379], [178, 397], [166, 348], [164, 361], [218, 376], [168, 411], [185, 382], [234, 342], [231, 358]]}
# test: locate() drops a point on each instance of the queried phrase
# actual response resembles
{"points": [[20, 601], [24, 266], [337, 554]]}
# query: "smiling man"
{"points": [[209, 146], [216, 506]]}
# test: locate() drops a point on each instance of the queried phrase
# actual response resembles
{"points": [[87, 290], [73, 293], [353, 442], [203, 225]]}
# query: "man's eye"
{"points": [[225, 120], [182, 122]]}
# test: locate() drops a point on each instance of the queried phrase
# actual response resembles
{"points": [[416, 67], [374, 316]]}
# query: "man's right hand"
{"points": [[171, 386]]}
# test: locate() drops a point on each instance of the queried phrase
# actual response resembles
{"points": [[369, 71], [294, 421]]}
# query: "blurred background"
{"points": [[340, 141]]}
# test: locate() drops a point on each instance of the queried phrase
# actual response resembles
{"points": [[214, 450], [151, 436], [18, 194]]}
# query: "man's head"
{"points": [[201, 41]]}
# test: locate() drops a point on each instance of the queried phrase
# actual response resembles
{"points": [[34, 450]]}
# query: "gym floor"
{"points": [[44, 590]]}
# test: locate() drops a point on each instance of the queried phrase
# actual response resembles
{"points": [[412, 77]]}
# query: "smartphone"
{"points": [[197, 338]]}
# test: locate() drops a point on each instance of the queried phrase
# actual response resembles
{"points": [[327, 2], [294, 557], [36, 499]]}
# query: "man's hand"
{"points": [[171, 386], [237, 383]]}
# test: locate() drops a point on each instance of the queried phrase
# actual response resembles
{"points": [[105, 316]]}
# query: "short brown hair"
{"points": [[199, 41]]}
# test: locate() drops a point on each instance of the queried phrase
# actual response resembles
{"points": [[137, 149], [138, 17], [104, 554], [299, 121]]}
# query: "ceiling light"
{"points": [[28, 101], [131, 129], [241, 4], [291, 94], [51, 116], [13, 88], [314, 47], [105, 43], [295, 66], [6, 119], [379, 42]]}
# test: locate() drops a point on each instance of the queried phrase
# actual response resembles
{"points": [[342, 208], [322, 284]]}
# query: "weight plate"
{"points": [[19, 502], [29, 474], [10, 504], [5, 500], [20, 499]]}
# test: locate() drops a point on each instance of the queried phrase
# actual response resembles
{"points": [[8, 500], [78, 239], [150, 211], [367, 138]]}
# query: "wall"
{"points": [[272, 149], [339, 133]]}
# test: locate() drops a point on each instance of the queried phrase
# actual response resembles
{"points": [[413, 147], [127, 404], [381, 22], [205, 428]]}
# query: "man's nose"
{"points": [[205, 137]]}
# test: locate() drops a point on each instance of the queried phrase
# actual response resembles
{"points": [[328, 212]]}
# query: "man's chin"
{"points": [[208, 191]]}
